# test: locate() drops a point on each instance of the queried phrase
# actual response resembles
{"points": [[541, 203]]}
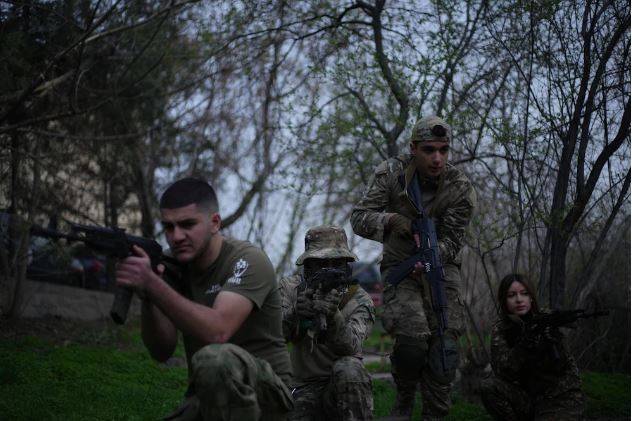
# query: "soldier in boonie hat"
{"points": [[326, 242], [327, 317]]}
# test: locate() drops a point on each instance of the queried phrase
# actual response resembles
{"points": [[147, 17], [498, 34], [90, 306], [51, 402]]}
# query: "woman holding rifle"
{"points": [[534, 376]]}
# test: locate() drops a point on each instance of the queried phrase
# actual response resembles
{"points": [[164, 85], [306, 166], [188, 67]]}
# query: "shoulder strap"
{"points": [[348, 296], [401, 178], [415, 193]]}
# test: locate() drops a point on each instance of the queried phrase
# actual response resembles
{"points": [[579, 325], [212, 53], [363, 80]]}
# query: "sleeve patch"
{"points": [[382, 168], [238, 270]]}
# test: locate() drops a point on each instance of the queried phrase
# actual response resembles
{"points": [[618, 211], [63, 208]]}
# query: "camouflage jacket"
{"points": [[450, 201], [311, 359], [544, 369]]}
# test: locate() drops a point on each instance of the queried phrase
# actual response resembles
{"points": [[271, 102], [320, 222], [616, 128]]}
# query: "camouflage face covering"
{"points": [[326, 242], [329, 278], [431, 129]]}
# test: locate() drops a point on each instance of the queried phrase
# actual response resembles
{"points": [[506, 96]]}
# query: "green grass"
{"points": [[378, 367], [608, 397], [607, 394], [111, 377], [378, 340], [384, 397], [42, 381]]}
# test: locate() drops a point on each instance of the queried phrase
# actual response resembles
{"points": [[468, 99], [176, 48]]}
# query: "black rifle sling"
{"points": [[415, 193], [401, 179]]}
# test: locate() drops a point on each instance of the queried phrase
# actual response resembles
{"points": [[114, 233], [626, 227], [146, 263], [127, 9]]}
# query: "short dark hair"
{"points": [[506, 282], [187, 191]]}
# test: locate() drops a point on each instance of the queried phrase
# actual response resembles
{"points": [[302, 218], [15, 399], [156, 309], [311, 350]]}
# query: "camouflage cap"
{"points": [[431, 129], [326, 242]]}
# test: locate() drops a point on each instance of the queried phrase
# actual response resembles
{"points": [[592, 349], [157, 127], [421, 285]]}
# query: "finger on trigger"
{"points": [[138, 251]]}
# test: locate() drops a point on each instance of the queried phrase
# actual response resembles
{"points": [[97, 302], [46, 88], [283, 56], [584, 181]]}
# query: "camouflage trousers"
{"points": [[346, 395], [229, 383], [509, 402], [417, 358], [408, 307]]}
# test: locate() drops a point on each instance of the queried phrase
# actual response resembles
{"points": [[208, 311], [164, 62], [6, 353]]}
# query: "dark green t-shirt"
{"points": [[243, 269]]}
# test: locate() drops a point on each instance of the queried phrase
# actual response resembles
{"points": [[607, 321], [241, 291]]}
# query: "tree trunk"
{"points": [[19, 237], [143, 194], [557, 280], [13, 258]]}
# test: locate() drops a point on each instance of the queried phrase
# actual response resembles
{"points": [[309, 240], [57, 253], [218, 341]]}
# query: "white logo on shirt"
{"points": [[213, 289], [238, 271], [234, 281]]}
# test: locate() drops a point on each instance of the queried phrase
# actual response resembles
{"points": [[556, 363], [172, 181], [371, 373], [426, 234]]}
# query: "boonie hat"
{"points": [[326, 242]]}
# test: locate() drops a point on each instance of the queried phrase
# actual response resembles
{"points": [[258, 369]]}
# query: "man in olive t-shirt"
{"points": [[225, 303]]}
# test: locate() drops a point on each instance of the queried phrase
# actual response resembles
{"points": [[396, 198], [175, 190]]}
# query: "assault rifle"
{"points": [[112, 242], [543, 326], [559, 318], [324, 280], [427, 254]]}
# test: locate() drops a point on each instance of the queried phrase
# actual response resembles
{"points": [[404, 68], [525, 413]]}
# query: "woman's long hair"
{"points": [[505, 283]]}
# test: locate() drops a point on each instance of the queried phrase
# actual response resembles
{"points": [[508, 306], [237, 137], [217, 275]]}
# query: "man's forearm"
{"points": [[288, 309], [187, 316], [369, 224], [290, 324], [345, 337]]}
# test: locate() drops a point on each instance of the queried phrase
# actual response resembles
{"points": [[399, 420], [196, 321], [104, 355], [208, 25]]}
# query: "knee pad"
{"points": [[213, 363], [347, 370], [409, 356], [443, 367]]}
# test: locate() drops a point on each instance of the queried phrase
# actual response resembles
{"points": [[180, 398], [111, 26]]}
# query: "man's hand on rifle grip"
{"points": [[327, 304], [135, 271], [305, 305]]}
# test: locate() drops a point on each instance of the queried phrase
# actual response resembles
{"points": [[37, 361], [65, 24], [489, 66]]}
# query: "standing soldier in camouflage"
{"points": [[227, 305], [327, 329], [534, 375], [384, 214]]}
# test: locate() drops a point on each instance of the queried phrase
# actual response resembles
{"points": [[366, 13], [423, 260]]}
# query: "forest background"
{"points": [[287, 107]]}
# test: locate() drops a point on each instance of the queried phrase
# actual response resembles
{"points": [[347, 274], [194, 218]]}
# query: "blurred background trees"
{"points": [[286, 108]]}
